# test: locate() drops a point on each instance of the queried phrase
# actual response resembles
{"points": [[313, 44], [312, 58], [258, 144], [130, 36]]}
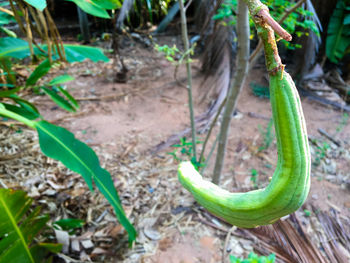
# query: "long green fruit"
{"points": [[290, 182]]}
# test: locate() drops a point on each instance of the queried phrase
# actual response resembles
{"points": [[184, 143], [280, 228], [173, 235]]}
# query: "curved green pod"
{"points": [[290, 182]]}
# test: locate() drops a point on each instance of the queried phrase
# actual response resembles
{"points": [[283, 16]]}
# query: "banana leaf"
{"points": [[338, 34]]}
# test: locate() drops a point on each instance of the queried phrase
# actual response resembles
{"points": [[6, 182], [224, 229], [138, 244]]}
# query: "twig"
{"points": [[3, 184], [188, 4], [265, 15], [211, 128], [6, 11], [210, 153], [253, 57], [108, 97], [189, 76], [257, 116], [328, 136], [213, 225], [233, 228]]}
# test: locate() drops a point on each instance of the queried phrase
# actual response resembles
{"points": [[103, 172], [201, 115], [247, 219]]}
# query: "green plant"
{"points": [[290, 183], [307, 213], [97, 8], [254, 174], [19, 227], [338, 32], [268, 136], [6, 18], [260, 90], [170, 53], [185, 148], [298, 19], [320, 153], [55, 142], [253, 258], [68, 224], [343, 122]]}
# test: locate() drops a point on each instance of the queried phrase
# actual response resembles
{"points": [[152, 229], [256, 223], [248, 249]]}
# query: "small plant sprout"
{"points": [[254, 258]]}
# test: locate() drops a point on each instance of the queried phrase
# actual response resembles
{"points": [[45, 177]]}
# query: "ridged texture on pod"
{"points": [[290, 182]]}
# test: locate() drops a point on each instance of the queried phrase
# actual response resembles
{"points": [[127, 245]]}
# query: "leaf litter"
{"points": [[158, 207]]}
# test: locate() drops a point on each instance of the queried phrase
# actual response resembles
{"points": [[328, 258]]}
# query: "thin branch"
{"points": [[258, 49], [189, 75], [6, 11], [211, 128], [265, 15], [236, 86]]}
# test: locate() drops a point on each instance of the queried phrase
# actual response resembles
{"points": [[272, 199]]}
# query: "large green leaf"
{"points": [[17, 231], [338, 34], [6, 18], [60, 144], [18, 48], [40, 71], [107, 4], [38, 4], [91, 8], [14, 47], [78, 53]]}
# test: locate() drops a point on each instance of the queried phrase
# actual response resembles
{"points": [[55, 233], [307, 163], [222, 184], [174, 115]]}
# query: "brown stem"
{"points": [[211, 129], [56, 35], [6, 11], [189, 75], [265, 15], [257, 51]]}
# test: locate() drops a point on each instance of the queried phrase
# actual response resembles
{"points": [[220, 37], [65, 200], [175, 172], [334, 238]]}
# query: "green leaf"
{"points": [[24, 103], [347, 19], [78, 53], [14, 47], [38, 4], [61, 79], [8, 32], [17, 231], [22, 110], [6, 93], [6, 18], [60, 101], [39, 72], [107, 4], [69, 223], [91, 8], [60, 144], [18, 48], [69, 96], [338, 39]]}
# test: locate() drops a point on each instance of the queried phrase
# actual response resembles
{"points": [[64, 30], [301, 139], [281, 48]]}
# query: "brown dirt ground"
{"points": [[151, 106]]}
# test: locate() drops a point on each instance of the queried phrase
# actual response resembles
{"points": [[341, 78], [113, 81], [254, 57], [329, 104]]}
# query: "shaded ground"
{"points": [[123, 122]]}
